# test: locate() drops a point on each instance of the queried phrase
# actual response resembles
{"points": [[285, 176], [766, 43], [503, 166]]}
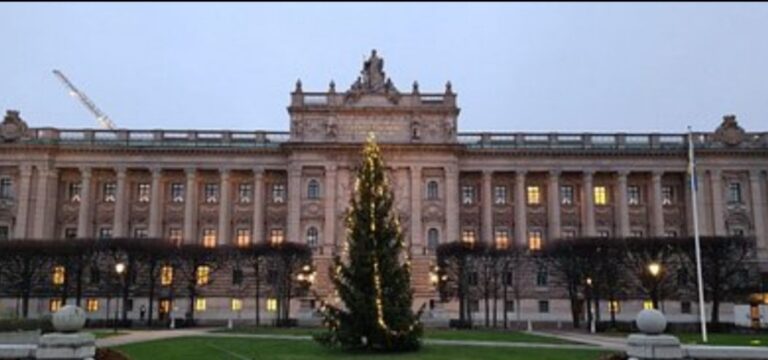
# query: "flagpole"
{"points": [[697, 243]]}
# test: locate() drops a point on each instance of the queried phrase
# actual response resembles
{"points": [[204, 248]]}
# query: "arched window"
{"points": [[312, 237], [432, 190], [433, 238], [313, 189]]}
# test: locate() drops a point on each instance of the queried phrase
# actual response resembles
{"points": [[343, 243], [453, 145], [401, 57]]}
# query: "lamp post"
{"points": [[119, 269], [590, 316], [654, 269]]}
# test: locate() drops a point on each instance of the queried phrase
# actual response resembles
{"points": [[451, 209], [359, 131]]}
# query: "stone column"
{"points": [[46, 201], [224, 208], [258, 206], [84, 214], [623, 204], [451, 204], [120, 222], [156, 204], [657, 209], [22, 202], [758, 207], [553, 194], [294, 203], [521, 208], [190, 207], [487, 206], [416, 197], [589, 203], [329, 228], [718, 215]]}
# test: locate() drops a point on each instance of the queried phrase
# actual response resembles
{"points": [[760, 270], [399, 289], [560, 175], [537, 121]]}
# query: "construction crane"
{"points": [[101, 117]]}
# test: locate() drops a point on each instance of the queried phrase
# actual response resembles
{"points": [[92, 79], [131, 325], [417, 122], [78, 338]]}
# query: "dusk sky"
{"points": [[629, 67]]}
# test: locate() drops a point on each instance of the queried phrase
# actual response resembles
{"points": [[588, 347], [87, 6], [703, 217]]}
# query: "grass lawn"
{"points": [[209, 348]]}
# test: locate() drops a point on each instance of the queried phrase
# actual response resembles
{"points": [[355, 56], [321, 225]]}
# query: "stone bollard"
{"points": [[67, 343], [650, 343]]}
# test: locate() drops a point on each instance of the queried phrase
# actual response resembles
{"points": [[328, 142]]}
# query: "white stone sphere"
{"points": [[651, 322], [69, 318]]}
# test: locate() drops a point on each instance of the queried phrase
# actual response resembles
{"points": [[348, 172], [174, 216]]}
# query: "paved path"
{"points": [[606, 342]]}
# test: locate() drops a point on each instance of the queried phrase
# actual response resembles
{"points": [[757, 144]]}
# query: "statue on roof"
{"points": [[372, 80]]}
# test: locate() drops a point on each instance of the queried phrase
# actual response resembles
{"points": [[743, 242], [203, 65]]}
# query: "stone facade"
{"points": [[257, 186]]}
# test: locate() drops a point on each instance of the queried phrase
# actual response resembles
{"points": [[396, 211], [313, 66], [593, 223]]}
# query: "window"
{"points": [[4, 232], [209, 237], [467, 194], [200, 304], [276, 236], [177, 192], [237, 304], [243, 237], [601, 195], [569, 234], [5, 188], [175, 235], [211, 193], [685, 307], [670, 233], [140, 233], [54, 304], [313, 189], [203, 274], [278, 193], [566, 195], [534, 240], [542, 277], [58, 275], [614, 307], [474, 306], [500, 195], [534, 195], [110, 189], [666, 195], [312, 237], [543, 306], [105, 233], [92, 305], [237, 277], [144, 192], [636, 234], [603, 233], [272, 304], [432, 190], [468, 236], [166, 275], [244, 193], [433, 238], [501, 238], [737, 232], [647, 305], [165, 306], [74, 192], [510, 305], [734, 193], [633, 195], [70, 233]]}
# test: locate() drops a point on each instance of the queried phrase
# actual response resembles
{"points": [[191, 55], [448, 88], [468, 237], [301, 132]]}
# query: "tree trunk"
{"points": [[258, 294], [505, 300], [152, 267], [79, 284]]}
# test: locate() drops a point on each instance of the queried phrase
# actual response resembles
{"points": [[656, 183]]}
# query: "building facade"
{"points": [[238, 187]]}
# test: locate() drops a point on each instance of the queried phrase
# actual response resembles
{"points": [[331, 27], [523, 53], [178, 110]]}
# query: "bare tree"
{"points": [[22, 266]]}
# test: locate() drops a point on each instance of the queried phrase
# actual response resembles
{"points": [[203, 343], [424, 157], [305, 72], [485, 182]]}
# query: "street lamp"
{"points": [[654, 269], [590, 317], [119, 269]]}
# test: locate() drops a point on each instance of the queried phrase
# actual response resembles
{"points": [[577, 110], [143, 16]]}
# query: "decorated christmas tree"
{"points": [[371, 276]]}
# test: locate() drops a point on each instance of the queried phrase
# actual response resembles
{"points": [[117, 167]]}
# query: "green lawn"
{"points": [[209, 348]]}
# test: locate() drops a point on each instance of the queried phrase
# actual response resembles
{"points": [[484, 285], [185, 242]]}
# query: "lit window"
{"points": [[500, 195], [166, 275], [633, 193], [70, 233], [92, 305], [313, 189], [734, 193], [237, 304], [278, 193], [175, 235], [5, 188], [165, 306], [312, 236], [648, 305], [433, 238], [105, 233], [272, 304], [614, 306], [502, 238], [144, 192], [666, 195], [276, 236], [534, 240], [200, 304], [566, 195], [432, 190], [211, 193], [177, 192], [5, 232], [468, 236], [243, 237], [74, 191], [542, 277], [543, 306], [110, 189], [58, 275], [203, 274], [636, 234], [244, 193], [534, 195], [601, 195], [140, 233], [467, 194], [209, 237], [54, 304]]}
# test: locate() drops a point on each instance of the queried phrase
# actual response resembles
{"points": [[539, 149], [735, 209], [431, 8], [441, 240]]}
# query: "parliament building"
{"points": [[240, 187]]}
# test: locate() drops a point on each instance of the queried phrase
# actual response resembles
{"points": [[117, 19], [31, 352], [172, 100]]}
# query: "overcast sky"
{"points": [[630, 67]]}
